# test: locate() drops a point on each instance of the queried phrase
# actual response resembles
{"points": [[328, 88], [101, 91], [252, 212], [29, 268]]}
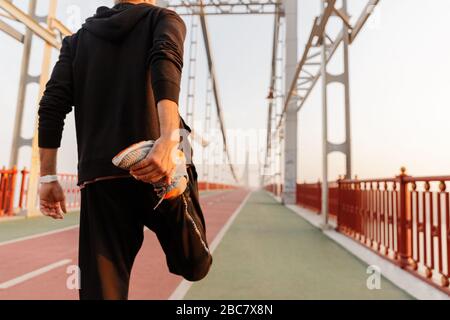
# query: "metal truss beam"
{"points": [[47, 35], [60, 27], [334, 45], [304, 72], [206, 132], [225, 7], [365, 14], [52, 36], [271, 97], [215, 89], [11, 31], [51, 33], [309, 69], [315, 39]]}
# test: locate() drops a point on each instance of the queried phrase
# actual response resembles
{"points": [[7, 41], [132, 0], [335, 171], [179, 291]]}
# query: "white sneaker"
{"points": [[134, 154]]}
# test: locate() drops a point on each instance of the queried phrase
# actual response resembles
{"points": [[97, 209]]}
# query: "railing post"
{"points": [[318, 201], [338, 213], [11, 192], [357, 214], [402, 221], [3, 190], [22, 187]]}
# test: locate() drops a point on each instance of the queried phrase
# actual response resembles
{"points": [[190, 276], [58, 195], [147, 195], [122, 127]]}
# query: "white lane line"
{"points": [[227, 226], [182, 289], [34, 236], [33, 274], [38, 235]]}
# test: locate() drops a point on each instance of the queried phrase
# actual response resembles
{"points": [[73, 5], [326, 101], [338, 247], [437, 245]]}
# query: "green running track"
{"points": [[269, 252]]}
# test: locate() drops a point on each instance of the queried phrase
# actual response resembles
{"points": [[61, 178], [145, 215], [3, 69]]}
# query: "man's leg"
{"points": [[111, 235], [180, 227]]}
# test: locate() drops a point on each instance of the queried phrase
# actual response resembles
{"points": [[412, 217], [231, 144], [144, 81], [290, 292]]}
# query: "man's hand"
{"points": [[159, 163], [52, 200]]}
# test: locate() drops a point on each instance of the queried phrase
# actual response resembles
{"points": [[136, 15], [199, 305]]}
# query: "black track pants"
{"points": [[113, 216]]}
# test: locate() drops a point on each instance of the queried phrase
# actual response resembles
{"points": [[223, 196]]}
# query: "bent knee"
{"points": [[198, 271], [195, 272]]}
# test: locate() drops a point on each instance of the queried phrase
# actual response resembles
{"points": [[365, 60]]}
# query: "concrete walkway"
{"points": [[271, 253]]}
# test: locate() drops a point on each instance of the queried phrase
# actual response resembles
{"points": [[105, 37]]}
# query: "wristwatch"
{"points": [[48, 179]]}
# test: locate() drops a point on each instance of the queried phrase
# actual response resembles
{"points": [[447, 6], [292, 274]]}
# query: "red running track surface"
{"points": [[150, 278]]}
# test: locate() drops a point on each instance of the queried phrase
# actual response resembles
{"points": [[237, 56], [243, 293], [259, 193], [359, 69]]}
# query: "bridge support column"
{"points": [[25, 80], [290, 123], [33, 178], [327, 78]]}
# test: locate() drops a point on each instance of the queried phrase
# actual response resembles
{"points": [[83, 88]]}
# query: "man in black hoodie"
{"points": [[121, 72]]}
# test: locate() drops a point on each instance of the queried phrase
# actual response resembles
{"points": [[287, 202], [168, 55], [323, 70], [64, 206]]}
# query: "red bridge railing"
{"points": [[71, 190], [207, 186], [404, 219], [276, 189], [309, 195], [12, 181], [7, 188]]}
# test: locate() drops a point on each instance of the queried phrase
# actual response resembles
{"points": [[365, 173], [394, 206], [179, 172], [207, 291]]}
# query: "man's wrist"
{"points": [[169, 139], [48, 178]]}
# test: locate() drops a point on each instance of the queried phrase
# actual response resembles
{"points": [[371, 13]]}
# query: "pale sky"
{"points": [[399, 67]]}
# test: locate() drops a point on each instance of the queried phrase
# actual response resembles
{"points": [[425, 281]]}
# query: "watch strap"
{"points": [[48, 179]]}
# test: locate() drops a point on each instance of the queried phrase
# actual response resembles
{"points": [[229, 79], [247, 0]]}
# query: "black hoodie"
{"points": [[113, 71]]}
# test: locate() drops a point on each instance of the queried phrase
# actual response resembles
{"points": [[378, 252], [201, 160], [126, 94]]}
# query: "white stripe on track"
{"points": [[38, 235], [33, 274], [182, 289], [34, 236]]}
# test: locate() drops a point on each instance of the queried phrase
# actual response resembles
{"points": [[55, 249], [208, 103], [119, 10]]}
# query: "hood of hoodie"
{"points": [[115, 23]]}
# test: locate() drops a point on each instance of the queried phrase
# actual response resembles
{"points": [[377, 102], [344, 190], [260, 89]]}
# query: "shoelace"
{"points": [[162, 189]]}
